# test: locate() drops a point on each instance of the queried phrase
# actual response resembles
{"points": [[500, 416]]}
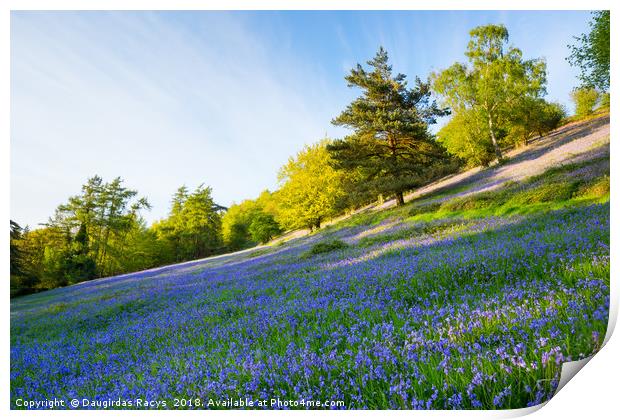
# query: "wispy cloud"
{"points": [[167, 98], [158, 101]]}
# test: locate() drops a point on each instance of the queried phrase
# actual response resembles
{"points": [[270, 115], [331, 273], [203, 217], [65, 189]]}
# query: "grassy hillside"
{"points": [[452, 301]]}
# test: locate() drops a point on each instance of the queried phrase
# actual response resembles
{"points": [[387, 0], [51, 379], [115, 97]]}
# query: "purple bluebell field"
{"points": [[454, 313]]}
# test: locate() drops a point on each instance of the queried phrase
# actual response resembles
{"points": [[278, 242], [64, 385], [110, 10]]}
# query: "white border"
{"points": [[593, 394]]}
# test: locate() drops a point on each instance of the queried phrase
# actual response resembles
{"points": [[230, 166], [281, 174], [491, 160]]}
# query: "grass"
{"points": [[553, 187], [326, 247], [422, 206], [469, 303], [259, 252], [481, 321], [598, 113], [408, 232]]}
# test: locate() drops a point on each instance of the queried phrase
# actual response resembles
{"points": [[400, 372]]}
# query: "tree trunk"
{"points": [[498, 151], [400, 200]]}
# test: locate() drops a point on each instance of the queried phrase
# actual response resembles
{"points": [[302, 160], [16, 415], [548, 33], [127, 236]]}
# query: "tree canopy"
{"points": [[492, 85], [591, 52], [310, 188], [391, 146], [586, 99], [193, 227], [250, 222], [87, 237]]}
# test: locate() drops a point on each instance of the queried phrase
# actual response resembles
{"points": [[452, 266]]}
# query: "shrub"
{"points": [[597, 188], [424, 208], [327, 246], [552, 115], [605, 101], [585, 100], [486, 199], [411, 232], [517, 194], [263, 227], [556, 191], [466, 136]]}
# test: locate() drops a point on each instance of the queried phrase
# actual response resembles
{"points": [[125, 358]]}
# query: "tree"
{"points": [[534, 116], [591, 53], [263, 227], [42, 254], [119, 216], [78, 265], [15, 254], [141, 249], [552, 115], [22, 279], [390, 147], [268, 203], [494, 84], [605, 101], [250, 222], [193, 228], [310, 188], [585, 100], [236, 223], [466, 136], [95, 224]]}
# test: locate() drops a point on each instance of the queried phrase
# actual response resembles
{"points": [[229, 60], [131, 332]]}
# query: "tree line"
{"points": [[495, 100]]}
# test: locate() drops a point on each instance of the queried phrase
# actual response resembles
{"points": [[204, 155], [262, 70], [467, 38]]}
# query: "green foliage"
{"points": [[585, 100], [76, 264], [411, 232], [76, 267], [250, 222], [326, 247], [391, 147], [103, 215], [487, 91], [534, 116], [311, 189], [86, 237], [236, 222], [605, 101], [556, 185], [591, 53], [466, 136], [263, 227], [143, 249], [553, 113], [22, 279], [193, 228], [15, 253]]}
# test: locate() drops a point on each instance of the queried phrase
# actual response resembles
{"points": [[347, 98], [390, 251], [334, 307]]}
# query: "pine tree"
{"points": [[194, 227], [390, 146], [97, 222]]}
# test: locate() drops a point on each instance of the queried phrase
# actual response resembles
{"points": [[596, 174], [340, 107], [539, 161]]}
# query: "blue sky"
{"points": [[164, 99]]}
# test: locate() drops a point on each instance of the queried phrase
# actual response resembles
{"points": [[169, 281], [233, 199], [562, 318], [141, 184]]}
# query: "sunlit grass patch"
{"points": [[465, 304]]}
